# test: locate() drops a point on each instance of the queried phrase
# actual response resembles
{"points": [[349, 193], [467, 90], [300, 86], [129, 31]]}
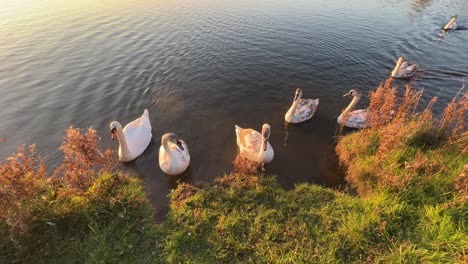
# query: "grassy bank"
{"points": [[81, 213], [408, 203]]}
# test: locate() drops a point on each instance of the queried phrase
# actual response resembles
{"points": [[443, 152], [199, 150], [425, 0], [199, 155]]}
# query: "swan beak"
{"points": [[344, 95], [265, 144], [113, 132]]}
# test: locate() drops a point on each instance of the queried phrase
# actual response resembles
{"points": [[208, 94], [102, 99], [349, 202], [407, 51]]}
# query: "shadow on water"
{"points": [[185, 177]]}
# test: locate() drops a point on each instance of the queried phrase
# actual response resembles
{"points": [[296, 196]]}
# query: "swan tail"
{"points": [[145, 113], [316, 102], [144, 120], [238, 130]]}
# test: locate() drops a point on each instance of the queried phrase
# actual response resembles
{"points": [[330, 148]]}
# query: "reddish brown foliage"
{"points": [[82, 158], [408, 104], [390, 134], [23, 177], [382, 104]]}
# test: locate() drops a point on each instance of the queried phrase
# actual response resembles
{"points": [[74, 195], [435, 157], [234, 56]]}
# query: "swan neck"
{"points": [[293, 107], [352, 104], [122, 142], [397, 67], [261, 151], [166, 147], [449, 24], [295, 103]]}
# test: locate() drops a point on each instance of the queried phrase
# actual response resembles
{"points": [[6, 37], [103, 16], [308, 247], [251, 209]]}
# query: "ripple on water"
{"points": [[201, 67]]}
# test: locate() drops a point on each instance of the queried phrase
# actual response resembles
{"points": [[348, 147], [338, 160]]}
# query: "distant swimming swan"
{"points": [[301, 109], [452, 24], [356, 118], [174, 157], [134, 138], [403, 69], [253, 145]]}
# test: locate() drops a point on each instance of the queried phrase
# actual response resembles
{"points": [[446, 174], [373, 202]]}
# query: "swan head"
{"points": [[114, 126], [298, 94], [266, 130], [400, 60], [353, 92], [171, 137]]}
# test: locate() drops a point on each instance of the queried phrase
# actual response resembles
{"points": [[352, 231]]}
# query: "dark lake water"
{"points": [[202, 66]]}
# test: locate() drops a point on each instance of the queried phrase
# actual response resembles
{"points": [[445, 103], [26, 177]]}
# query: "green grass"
{"points": [[260, 222], [111, 222], [408, 211]]}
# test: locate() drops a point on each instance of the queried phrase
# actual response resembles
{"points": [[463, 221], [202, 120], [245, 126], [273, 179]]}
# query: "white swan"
{"points": [[403, 69], [301, 109], [356, 118], [174, 157], [134, 138], [452, 24], [253, 145]]}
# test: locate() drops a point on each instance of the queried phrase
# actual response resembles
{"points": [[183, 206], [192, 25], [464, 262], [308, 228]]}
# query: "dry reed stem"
{"points": [[453, 118]]}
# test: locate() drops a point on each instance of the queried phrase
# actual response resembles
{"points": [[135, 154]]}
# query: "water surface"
{"points": [[202, 66]]}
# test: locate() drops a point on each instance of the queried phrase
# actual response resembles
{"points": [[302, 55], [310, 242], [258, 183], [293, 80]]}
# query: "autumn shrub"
{"points": [[83, 159], [74, 210], [22, 179], [410, 149]]}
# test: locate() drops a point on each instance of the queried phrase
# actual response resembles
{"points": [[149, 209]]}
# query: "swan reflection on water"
{"points": [[286, 127]]}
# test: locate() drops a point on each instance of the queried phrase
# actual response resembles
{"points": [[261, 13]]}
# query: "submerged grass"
{"points": [[410, 174]]}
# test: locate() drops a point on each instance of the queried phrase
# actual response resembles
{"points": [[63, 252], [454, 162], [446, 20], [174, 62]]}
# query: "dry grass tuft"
{"points": [[453, 118], [183, 192], [245, 166], [408, 104], [239, 181], [426, 115], [461, 185], [382, 104]]}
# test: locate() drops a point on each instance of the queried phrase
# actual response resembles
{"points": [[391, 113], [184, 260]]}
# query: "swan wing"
{"points": [[164, 160], [138, 134], [176, 161], [248, 140], [356, 119], [181, 155], [306, 109], [141, 122], [407, 70]]}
